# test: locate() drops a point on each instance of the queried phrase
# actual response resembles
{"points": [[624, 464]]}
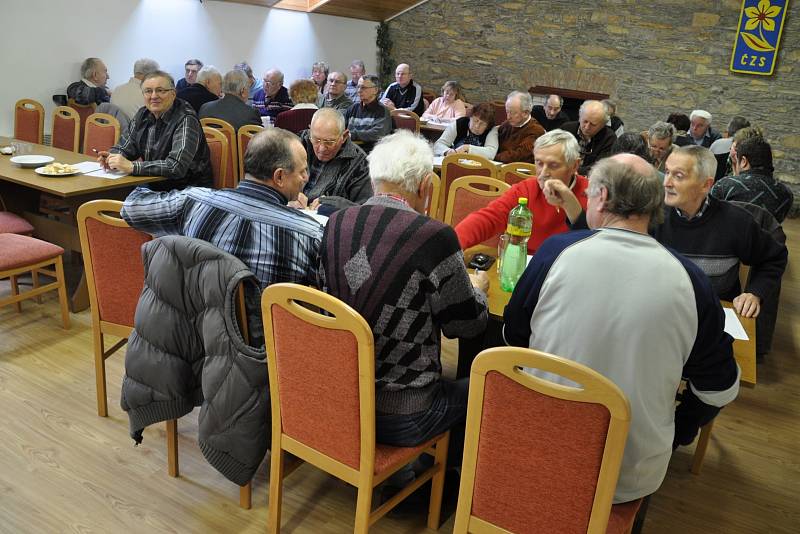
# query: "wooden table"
{"points": [[432, 131], [743, 351], [24, 192]]}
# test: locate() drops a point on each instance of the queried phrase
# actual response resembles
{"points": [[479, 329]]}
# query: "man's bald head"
{"points": [[631, 188]]}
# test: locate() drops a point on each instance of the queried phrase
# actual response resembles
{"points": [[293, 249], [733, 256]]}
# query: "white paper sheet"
{"points": [[111, 175], [733, 326], [87, 166], [321, 219]]}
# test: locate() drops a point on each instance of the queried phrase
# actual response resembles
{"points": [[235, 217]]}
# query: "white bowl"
{"points": [[31, 161]]}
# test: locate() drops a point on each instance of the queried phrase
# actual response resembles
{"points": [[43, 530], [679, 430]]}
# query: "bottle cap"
{"points": [[523, 201]]}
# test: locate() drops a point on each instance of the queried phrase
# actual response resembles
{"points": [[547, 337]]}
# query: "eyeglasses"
{"points": [[366, 87], [160, 91], [335, 82], [327, 143]]}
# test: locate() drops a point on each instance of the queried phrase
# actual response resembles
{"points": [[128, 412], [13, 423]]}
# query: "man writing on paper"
{"points": [[164, 139]]}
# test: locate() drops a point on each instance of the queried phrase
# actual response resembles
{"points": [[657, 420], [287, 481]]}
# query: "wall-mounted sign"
{"points": [[758, 36]]}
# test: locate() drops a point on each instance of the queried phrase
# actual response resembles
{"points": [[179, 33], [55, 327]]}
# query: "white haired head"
{"points": [[402, 159]]}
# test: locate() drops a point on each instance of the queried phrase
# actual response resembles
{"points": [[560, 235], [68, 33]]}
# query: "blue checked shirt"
{"points": [[252, 222]]}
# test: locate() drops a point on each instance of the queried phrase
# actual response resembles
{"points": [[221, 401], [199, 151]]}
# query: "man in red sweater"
{"points": [[557, 157]]}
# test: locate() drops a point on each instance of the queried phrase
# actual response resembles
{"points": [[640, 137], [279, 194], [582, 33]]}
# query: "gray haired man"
{"points": [[91, 88], [128, 96], [660, 137], [233, 108], [594, 136], [207, 88], [520, 131]]}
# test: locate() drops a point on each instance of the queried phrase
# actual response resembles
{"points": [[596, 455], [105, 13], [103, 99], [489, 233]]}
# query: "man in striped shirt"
{"points": [[252, 222], [164, 138]]}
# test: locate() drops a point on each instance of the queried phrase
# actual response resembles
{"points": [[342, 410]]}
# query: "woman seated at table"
{"points": [[448, 107], [476, 134], [304, 94]]}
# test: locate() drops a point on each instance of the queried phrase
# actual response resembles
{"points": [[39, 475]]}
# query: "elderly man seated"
{"points": [[404, 93], [338, 175], [256, 84], [592, 133], [700, 131], [518, 133], [91, 88], [233, 108], [164, 138], [550, 116], [273, 97], [335, 97], [191, 68], [660, 137], [368, 120], [717, 235], [128, 96], [207, 89], [616, 300], [557, 158], [410, 298]]}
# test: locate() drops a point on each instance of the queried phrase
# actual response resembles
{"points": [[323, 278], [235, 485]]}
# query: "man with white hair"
{"points": [[233, 108], [207, 89], [128, 96], [592, 133], [91, 88], [700, 132], [645, 317], [273, 97], [518, 133], [660, 141], [405, 274]]}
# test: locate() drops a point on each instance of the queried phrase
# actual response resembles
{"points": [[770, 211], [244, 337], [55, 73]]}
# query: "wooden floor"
{"points": [[63, 469]]}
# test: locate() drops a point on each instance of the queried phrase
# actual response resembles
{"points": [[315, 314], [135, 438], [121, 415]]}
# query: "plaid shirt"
{"points": [[252, 222], [172, 145]]}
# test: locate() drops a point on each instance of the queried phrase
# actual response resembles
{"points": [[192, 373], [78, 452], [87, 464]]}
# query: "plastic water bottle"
{"points": [[515, 254]]}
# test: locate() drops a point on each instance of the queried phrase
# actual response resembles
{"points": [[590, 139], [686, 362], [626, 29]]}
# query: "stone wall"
{"points": [[653, 58]]}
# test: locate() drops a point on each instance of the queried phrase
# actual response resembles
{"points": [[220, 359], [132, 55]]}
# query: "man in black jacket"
{"points": [[91, 88], [594, 137], [404, 93]]}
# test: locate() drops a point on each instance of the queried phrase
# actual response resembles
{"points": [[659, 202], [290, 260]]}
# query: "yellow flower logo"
{"points": [[760, 18]]}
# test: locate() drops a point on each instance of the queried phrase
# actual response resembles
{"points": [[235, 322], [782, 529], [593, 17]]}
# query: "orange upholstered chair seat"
{"points": [[387, 456], [14, 224], [20, 250], [622, 517]]}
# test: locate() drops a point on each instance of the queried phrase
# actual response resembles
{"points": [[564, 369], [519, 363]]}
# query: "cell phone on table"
{"points": [[482, 262]]}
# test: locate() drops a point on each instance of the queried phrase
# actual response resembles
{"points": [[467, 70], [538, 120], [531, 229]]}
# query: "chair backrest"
{"points": [[540, 456], [218, 147], [83, 112], [499, 112], [433, 200], [295, 120], [232, 173], [101, 132], [403, 119], [29, 121], [338, 419], [471, 193], [244, 135], [112, 259], [457, 165], [66, 129], [512, 173]]}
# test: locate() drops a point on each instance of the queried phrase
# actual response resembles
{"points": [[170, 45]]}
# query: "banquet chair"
{"points": [[29, 121], [499, 112], [432, 202], [244, 135], [112, 262], [540, 456], [66, 129], [458, 165], [519, 171], [469, 194], [334, 429], [232, 167], [218, 149], [100, 133], [83, 112], [402, 119], [11, 223], [24, 254], [295, 120]]}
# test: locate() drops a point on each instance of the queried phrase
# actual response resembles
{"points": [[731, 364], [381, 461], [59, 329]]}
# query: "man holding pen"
{"points": [[164, 139]]}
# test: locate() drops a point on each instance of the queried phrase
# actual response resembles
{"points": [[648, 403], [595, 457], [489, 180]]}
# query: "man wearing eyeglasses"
{"points": [[335, 97], [338, 174], [164, 139], [368, 120], [274, 97]]}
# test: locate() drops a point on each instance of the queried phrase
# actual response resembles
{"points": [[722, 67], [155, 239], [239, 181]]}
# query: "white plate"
{"points": [[31, 160], [41, 171]]}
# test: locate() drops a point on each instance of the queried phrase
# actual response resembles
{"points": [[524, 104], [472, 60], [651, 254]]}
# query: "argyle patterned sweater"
{"points": [[404, 273]]}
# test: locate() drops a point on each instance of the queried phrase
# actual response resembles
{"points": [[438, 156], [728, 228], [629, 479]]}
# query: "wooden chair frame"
{"points": [[83, 111], [596, 388], [248, 130], [26, 104], [227, 130], [69, 114], [217, 135], [42, 267], [433, 203], [97, 120], [406, 114], [520, 169], [452, 161], [342, 317]]}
